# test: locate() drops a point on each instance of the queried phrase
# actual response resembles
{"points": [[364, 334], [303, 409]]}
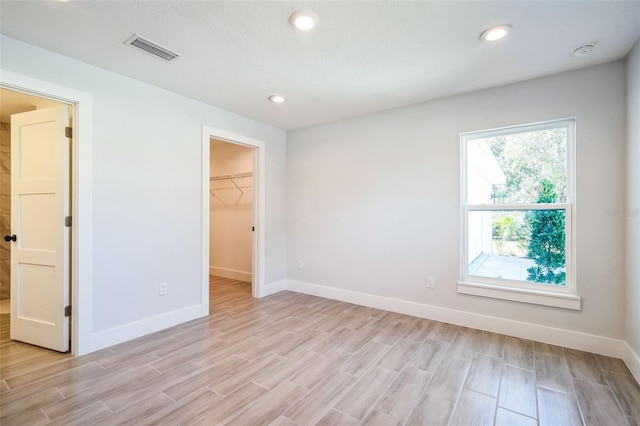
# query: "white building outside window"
{"points": [[517, 202]]}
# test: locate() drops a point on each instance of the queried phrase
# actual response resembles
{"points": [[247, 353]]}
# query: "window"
{"points": [[517, 214]]}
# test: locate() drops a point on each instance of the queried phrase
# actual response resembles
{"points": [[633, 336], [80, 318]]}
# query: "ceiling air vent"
{"points": [[147, 46]]}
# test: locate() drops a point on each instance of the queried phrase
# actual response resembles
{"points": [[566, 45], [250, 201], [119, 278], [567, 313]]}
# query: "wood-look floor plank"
{"points": [[233, 382], [429, 355], [547, 349], [320, 369], [283, 421], [431, 411], [403, 394], [518, 353], [189, 379], [392, 333], [379, 418], [509, 418], [359, 339], [363, 396], [334, 418], [138, 410], [626, 391], [475, 409], [420, 330], [182, 412], [484, 375], [30, 402], [269, 407], [448, 379], [518, 391], [633, 421], [492, 344], [615, 365], [364, 359], [597, 404], [89, 415], [583, 366], [79, 397], [333, 340], [552, 373], [230, 406], [28, 417], [557, 408], [315, 404], [286, 369], [399, 355], [466, 343]]}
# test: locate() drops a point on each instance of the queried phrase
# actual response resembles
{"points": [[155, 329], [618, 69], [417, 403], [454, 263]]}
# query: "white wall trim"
{"points": [[259, 236], [230, 273], [274, 287], [123, 333], [82, 193], [632, 360], [571, 339]]}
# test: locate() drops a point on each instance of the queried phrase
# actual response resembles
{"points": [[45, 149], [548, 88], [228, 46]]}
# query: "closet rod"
{"points": [[235, 176]]}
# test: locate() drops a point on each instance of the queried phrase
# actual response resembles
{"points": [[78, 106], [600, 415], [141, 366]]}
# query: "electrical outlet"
{"points": [[430, 283], [300, 264], [163, 289]]}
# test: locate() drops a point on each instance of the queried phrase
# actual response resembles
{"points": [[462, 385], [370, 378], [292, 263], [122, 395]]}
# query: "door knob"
{"points": [[8, 238]]}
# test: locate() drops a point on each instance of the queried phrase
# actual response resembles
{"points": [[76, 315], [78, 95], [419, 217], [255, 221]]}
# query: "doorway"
{"points": [[36, 197], [231, 219], [257, 150]]}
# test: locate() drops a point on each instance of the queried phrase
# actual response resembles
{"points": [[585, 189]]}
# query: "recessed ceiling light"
{"points": [[303, 20], [277, 99], [495, 33]]}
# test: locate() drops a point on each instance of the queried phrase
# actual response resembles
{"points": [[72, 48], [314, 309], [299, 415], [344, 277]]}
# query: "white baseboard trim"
{"points": [[632, 360], [571, 339], [273, 288], [230, 273], [113, 336]]}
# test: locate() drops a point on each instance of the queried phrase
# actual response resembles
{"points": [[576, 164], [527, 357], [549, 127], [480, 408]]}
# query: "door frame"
{"points": [[81, 198], [258, 243]]}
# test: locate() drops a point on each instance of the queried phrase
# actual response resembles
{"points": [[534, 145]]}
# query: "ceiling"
{"points": [[363, 57]]}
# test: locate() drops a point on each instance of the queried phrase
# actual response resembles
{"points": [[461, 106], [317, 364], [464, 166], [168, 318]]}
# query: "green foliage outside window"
{"points": [[547, 242]]}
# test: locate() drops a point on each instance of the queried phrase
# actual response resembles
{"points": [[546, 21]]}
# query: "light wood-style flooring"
{"points": [[294, 359]]}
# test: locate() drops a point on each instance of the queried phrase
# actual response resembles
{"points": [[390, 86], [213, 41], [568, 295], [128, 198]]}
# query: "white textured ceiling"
{"points": [[364, 56]]}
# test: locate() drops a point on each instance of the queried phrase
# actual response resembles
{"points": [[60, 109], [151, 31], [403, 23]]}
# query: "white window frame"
{"points": [[521, 291]]}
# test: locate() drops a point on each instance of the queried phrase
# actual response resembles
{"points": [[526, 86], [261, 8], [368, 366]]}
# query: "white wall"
{"points": [[373, 201], [231, 219], [147, 186], [633, 201]]}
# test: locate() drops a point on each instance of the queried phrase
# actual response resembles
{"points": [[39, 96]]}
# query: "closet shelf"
{"points": [[234, 176], [232, 179]]}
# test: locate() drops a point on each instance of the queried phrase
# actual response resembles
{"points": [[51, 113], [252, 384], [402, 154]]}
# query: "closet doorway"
{"points": [[231, 214]]}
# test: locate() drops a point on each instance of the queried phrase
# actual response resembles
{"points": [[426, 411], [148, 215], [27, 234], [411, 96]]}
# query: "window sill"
{"points": [[556, 300]]}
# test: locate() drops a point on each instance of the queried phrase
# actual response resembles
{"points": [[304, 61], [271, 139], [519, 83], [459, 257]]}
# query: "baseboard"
{"points": [[230, 273], [113, 336], [632, 360], [273, 288], [571, 339]]}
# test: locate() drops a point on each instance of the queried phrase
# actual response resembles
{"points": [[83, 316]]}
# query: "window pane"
{"points": [[511, 168], [527, 245]]}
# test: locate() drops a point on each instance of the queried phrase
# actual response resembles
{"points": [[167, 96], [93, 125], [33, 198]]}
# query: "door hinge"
{"points": [[68, 132], [67, 221], [67, 311]]}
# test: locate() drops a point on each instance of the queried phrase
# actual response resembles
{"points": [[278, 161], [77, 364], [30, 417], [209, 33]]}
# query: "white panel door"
{"points": [[39, 204]]}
